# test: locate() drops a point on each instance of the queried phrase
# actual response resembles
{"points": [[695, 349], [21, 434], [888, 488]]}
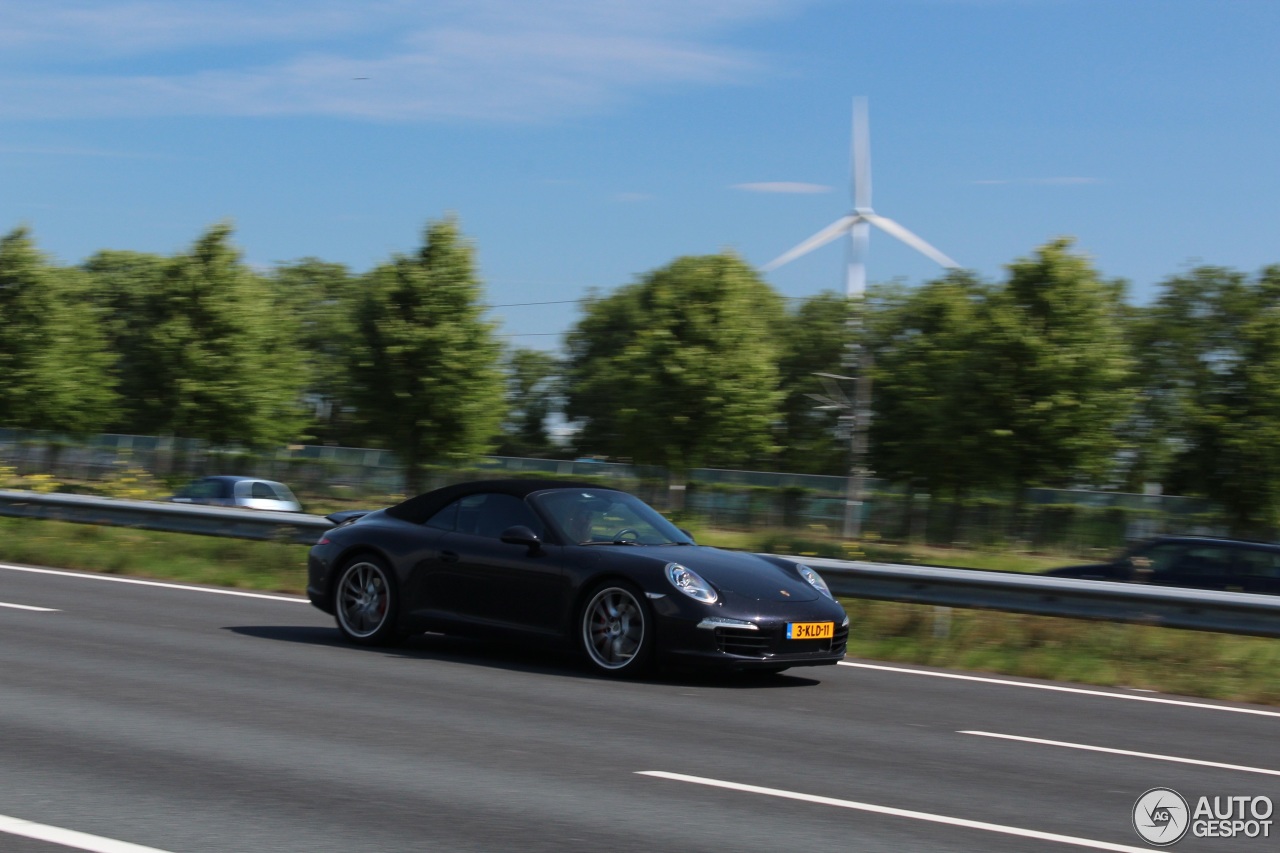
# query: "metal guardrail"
{"points": [[1203, 610], [1170, 607], [168, 517]]}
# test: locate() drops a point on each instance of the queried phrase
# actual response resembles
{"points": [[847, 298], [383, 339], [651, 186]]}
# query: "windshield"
{"points": [[589, 517]]}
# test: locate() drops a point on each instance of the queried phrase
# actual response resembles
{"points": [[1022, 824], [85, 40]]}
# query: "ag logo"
{"points": [[1161, 816]]}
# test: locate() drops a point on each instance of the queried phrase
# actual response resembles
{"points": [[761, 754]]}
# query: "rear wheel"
{"points": [[617, 629], [365, 602]]}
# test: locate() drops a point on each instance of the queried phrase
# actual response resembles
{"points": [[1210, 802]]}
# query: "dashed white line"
{"points": [[27, 607], [70, 837], [893, 812], [1063, 689], [1152, 755], [117, 579]]}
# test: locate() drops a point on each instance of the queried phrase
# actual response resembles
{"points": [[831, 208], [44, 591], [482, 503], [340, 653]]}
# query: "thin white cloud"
{"points": [[782, 187], [1065, 181], [497, 60], [1051, 182]]}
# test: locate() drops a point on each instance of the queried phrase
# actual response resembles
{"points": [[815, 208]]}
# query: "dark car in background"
{"points": [[243, 492], [1197, 562], [573, 562]]}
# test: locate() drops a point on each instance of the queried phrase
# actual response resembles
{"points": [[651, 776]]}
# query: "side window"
{"points": [[1205, 561], [203, 489], [469, 510], [445, 519], [1159, 559], [1259, 564], [489, 515], [486, 515], [281, 492], [262, 490]]}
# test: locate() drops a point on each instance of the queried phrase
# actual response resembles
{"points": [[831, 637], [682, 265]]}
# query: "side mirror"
{"points": [[686, 533], [521, 535]]}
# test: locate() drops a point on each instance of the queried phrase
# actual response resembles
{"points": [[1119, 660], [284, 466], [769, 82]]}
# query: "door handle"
{"points": [[448, 557]]}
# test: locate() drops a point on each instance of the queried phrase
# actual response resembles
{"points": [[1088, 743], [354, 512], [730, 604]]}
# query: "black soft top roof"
{"points": [[418, 509]]}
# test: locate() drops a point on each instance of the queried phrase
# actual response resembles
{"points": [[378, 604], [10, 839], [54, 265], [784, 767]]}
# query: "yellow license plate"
{"points": [[811, 630]]}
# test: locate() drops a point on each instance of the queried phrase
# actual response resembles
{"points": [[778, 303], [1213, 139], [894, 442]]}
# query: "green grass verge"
{"points": [[1191, 663], [244, 563], [818, 545], [1168, 660]]}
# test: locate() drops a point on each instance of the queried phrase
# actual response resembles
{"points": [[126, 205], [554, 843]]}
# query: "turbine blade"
{"points": [[893, 228], [822, 238], [861, 155], [859, 240]]}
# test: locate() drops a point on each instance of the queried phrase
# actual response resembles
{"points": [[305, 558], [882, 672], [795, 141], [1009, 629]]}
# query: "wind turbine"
{"points": [[857, 223], [856, 407]]}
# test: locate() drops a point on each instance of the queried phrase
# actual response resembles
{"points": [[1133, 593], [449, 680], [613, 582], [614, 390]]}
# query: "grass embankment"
{"points": [[274, 566], [1192, 663]]}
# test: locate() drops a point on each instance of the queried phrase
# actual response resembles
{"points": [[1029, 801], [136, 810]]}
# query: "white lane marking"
{"points": [[1061, 689], [1152, 755], [140, 582], [28, 607], [69, 837], [887, 810]]}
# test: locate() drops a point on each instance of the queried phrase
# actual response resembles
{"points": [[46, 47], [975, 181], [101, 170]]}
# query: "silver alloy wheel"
{"points": [[613, 628], [364, 599]]}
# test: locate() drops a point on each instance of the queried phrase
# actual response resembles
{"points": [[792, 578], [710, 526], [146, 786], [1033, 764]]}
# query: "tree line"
{"points": [[1049, 377]]}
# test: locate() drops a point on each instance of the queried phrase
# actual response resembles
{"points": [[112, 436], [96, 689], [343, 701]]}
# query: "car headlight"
{"points": [[687, 581], [812, 577]]}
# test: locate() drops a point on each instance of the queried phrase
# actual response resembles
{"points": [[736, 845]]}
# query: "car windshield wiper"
{"points": [[614, 542]]}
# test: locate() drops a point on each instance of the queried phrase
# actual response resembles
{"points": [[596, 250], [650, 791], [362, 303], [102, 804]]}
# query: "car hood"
{"points": [[747, 575], [1108, 569], [1066, 571]]}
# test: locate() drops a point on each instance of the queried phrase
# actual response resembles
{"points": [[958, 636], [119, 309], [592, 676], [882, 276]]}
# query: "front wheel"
{"points": [[617, 630], [365, 602]]}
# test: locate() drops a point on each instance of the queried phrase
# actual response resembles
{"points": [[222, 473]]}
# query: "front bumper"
{"points": [[699, 640]]}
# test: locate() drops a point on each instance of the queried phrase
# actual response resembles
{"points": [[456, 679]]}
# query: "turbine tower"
{"points": [[857, 223]]}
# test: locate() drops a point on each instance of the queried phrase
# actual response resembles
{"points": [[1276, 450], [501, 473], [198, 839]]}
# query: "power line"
{"points": [[526, 304], [585, 298]]}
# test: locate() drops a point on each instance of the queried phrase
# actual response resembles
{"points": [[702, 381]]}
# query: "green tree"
{"points": [[596, 381], [1054, 372], [54, 360], [123, 282], [931, 424], [813, 340], [322, 298], [426, 364], [679, 369], [532, 393], [1210, 349], [213, 358]]}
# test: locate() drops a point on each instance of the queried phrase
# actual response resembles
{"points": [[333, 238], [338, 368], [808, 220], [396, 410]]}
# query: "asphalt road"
{"points": [[138, 717]]}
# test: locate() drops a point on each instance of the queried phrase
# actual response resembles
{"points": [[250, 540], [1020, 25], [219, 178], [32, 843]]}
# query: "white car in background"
{"points": [[243, 492]]}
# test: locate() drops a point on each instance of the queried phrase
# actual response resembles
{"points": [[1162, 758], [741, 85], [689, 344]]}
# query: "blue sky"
{"points": [[583, 143]]}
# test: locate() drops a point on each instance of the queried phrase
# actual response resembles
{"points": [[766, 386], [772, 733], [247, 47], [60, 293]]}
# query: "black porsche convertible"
{"points": [[576, 562]]}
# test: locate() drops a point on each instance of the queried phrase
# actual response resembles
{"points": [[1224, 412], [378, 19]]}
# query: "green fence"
{"points": [[747, 500]]}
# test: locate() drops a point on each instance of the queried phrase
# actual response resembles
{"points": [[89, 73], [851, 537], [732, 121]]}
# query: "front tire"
{"points": [[616, 630], [365, 602]]}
